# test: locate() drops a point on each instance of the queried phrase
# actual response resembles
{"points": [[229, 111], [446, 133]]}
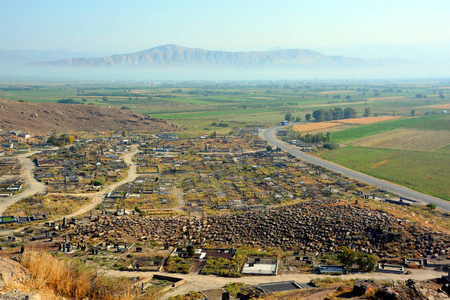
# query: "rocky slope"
{"points": [[44, 118]]}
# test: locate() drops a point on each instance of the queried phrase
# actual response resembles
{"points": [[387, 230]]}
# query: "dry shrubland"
{"points": [[74, 280]]}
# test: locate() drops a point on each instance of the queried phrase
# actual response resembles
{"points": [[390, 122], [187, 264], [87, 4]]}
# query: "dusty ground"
{"points": [[195, 282], [44, 118]]}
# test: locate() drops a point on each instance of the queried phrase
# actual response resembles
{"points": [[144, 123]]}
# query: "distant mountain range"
{"points": [[177, 56], [21, 57]]}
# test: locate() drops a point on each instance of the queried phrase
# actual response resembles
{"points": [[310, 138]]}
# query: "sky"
{"points": [[245, 25]]}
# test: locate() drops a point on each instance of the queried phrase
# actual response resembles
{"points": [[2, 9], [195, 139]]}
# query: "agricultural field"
{"points": [[397, 112], [313, 127], [427, 172], [406, 139], [240, 104], [409, 151]]}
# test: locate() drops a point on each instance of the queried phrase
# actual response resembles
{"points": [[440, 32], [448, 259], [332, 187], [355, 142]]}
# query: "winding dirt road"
{"points": [[32, 186]]}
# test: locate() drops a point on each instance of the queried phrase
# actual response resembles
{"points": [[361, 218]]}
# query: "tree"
{"points": [[337, 113], [104, 98], [327, 115], [269, 148], [366, 112], [347, 257], [318, 115], [349, 113], [413, 112], [124, 133], [298, 119], [190, 251], [366, 262], [288, 117], [308, 117]]}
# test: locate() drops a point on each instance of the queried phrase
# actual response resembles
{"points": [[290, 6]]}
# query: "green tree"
{"points": [[347, 257], [124, 133], [269, 148], [366, 112], [288, 117], [298, 119], [337, 113], [190, 251], [349, 113], [366, 262], [413, 112], [327, 115], [308, 117], [318, 115]]}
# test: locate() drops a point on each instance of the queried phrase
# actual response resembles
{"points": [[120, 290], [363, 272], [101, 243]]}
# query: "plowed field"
{"points": [[309, 127], [368, 120], [407, 139]]}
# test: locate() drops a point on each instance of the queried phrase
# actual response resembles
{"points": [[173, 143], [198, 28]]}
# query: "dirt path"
{"points": [[32, 185], [180, 196], [195, 282]]}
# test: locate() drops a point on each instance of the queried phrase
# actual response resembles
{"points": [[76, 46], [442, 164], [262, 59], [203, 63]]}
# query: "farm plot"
{"points": [[363, 121], [407, 139], [310, 127]]}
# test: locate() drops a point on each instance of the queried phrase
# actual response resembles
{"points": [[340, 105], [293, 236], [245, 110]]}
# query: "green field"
{"points": [[422, 171], [430, 122], [253, 103]]}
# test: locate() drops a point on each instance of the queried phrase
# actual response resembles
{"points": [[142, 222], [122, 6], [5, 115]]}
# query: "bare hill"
{"points": [[44, 118]]}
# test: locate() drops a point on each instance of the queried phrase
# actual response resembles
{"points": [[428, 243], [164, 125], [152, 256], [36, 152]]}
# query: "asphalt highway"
{"points": [[269, 136]]}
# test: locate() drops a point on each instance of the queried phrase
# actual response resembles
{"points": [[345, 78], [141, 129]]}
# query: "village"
{"points": [[229, 206]]}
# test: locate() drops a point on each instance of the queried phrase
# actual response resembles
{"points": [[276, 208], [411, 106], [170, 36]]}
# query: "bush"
{"points": [[330, 146], [431, 206], [96, 182]]}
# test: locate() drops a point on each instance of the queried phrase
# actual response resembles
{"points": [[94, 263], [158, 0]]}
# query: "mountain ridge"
{"points": [[173, 55]]}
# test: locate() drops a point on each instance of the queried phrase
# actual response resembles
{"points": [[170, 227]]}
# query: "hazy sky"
{"points": [[129, 26]]}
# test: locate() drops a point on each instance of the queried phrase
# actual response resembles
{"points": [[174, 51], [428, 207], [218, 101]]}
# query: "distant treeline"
{"points": [[69, 101], [112, 94]]}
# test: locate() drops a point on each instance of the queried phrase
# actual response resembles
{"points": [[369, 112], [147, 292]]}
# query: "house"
{"points": [[260, 266]]}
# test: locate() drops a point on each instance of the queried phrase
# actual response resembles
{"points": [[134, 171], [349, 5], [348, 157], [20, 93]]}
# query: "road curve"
{"points": [[32, 186], [269, 136]]}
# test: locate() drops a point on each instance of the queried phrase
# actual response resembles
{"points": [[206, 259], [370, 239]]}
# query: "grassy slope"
{"points": [[423, 171]]}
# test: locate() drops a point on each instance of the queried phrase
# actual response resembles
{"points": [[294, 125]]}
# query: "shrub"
{"points": [[330, 146], [431, 206]]}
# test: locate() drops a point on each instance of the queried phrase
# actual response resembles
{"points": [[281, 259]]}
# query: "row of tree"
{"points": [[336, 113]]}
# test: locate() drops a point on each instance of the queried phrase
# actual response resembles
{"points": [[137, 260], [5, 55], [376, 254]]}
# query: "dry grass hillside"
{"points": [[39, 275], [44, 118]]}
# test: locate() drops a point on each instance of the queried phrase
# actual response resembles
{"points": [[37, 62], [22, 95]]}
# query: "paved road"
{"points": [[269, 135], [32, 186]]}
